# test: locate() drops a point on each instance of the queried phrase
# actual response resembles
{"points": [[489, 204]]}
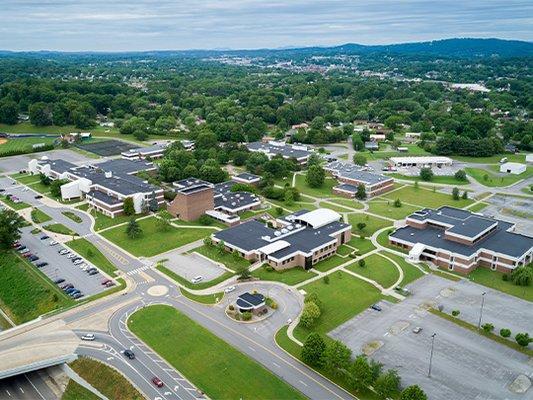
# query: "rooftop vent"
{"points": [[108, 174], [412, 234], [265, 237], [290, 227], [284, 230], [277, 233]]}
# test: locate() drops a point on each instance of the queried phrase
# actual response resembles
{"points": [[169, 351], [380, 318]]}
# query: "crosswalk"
{"points": [[138, 270]]}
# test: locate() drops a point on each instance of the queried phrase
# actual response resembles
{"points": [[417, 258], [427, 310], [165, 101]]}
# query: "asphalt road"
{"points": [[25, 387]]}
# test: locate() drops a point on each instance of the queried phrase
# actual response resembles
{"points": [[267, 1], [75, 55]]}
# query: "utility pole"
{"points": [[431, 354], [481, 310]]}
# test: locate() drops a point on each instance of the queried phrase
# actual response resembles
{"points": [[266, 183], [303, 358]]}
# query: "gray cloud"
{"points": [[118, 25]]}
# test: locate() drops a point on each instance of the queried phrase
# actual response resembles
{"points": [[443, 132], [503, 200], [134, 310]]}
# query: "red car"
{"points": [[27, 255], [106, 281], [158, 382]]}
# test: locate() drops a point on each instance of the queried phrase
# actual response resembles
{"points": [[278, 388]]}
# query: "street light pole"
{"points": [[431, 354], [481, 310]]}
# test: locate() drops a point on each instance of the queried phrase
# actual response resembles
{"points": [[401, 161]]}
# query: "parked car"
{"points": [[88, 336], [91, 269], [44, 237], [417, 329], [41, 264], [33, 258], [53, 243], [106, 281], [38, 196], [78, 261], [158, 382], [375, 307], [59, 280], [74, 293], [63, 252], [24, 250], [128, 353], [71, 255], [197, 279], [77, 296], [70, 289], [27, 254], [67, 286], [94, 272], [110, 284], [229, 289]]}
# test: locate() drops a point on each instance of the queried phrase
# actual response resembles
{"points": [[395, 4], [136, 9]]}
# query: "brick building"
{"points": [[350, 176]]}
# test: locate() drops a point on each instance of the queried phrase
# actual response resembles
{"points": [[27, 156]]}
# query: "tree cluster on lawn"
{"points": [[426, 174], [311, 311], [133, 229], [10, 225], [55, 187], [315, 176]]}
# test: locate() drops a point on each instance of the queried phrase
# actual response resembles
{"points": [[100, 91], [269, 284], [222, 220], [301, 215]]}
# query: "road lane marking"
{"points": [[303, 383]]}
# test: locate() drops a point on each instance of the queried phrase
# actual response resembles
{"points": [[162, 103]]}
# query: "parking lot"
{"points": [[59, 266], [465, 364], [189, 266], [16, 163]]}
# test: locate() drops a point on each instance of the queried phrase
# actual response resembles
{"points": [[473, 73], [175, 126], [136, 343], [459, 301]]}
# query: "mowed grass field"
{"points": [[386, 208], [378, 269], [290, 276], [372, 223], [231, 261], [154, 241], [214, 366], [25, 293], [493, 279], [344, 297], [425, 197], [22, 145], [86, 249], [494, 179]]}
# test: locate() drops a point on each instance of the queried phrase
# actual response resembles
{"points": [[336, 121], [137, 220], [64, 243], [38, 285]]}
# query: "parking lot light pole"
{"points": [[431, 354], [481, 310]]}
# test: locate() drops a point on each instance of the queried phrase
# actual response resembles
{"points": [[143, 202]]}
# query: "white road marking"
{"points": [[21, 390], [251, 348], [277, 365], [9, 394], [302, 382]]}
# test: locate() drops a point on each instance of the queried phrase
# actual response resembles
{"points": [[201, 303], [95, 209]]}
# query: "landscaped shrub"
{"points": [[269, 268], [231, 307], [505, 277], [326, 279], [455, 313], [205, 220], [487, 327], [523, 339], [246, 316], [362, 263], [310, 314], [505, 332]]}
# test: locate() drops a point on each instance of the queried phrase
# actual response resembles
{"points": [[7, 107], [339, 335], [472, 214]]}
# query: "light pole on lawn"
{"points": [[431, 354], [481, 309]]}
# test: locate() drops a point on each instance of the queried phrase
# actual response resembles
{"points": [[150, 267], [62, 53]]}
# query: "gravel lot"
{"points": [[465, 364]]}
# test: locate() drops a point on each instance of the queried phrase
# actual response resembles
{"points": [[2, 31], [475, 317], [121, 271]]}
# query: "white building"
{"points": [[513, 168], [421, 162]]}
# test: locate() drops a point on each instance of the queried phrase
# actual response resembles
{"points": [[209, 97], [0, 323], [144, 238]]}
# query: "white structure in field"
{"points": [[429, 161], [513, 168]]}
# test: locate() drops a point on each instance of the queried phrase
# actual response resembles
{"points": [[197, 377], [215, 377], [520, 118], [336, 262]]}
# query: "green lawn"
{"points": [[86, 249], [356, 205], [426, 198], [22, 145], [4, 323], [43, 189], [25, 293], [386, 208], [202, 285], [441, 179], [60, 228], [72, 216], [334, 207], [203, 298], [230, 260], [25, 179], [321, 192], [103, 221], [520, 158], [410, 272], [329, 263], [344, 297], [490, 179], [16, 206], [105, 379], [211, 364], [290, 276], [378, 269], [38, 216], [75, 391], [154, 241], [344, 250], [297, 205], [478, 207], [413, 150], [363, 246], [372, 223], [493, 279]]}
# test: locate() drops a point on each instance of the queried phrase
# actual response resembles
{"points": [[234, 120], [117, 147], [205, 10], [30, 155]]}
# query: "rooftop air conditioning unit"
{"points": [[284, 230], [277, 233]]}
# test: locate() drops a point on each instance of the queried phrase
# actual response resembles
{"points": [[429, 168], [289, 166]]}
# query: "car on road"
{"points": [[44, 237], [417, 329], [197, 279], [158, 382], [53, 243], [375, 307], [128, 353], [229, 289], [59, 280], [38, 197], [88, 336]]}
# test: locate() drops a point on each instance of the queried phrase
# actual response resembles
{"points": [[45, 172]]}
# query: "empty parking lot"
{"points": [[465, 364]]}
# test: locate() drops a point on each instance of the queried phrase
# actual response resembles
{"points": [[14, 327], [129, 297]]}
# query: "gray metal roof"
{"points": [[286, 151], [246, 176], [232, 201], [351, 171], [104, 197], [347, 187], [58, 165]]}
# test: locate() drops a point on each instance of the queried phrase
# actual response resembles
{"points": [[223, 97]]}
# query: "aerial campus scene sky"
{"points": [[118, 25]]}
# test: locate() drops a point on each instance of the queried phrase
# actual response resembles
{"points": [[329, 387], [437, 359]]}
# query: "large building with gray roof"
{"points": [[298, 152], [350, 176], [461, 241], [299, 239]]}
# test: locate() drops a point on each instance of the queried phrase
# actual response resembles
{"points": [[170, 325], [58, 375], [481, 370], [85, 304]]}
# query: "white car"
{"points": [[53, 243], [78, 262], [197, 279], [63, 252], [229, 289], [71, 255], [88, 336]]}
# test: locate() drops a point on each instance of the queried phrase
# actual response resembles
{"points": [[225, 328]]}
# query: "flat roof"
{"points": [[422, 159], [250, 300], [103, 197], [288, 151], [246, 176], [351, 171]]}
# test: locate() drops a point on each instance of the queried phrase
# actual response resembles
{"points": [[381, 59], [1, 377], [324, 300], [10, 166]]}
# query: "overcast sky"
{"points": [[118, 25]]}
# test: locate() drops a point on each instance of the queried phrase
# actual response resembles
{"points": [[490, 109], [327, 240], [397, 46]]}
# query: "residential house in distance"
{"points": [[350, 176], [461, 241], [105, 186], [299, 152], [300, 239], [372, 145]]}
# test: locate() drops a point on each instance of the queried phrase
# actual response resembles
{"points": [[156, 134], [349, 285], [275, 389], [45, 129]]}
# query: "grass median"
{"points": [[86, 249], [211, 364]]}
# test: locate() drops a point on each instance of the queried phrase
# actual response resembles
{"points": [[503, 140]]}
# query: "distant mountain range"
{"points": [[454, 48]]}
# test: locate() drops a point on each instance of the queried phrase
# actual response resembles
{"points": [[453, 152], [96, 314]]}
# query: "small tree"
{"points": [[387, 384], [55, 187], [416, 185], [523, 275], [279, 210], [89, 253], [504, 332], [455, 193], [362, 263], [523, 339], [360, 226], [153, 205], [310, 314], [426, 174], [133, 229], [313, 349], [336, 357], [205, 220], [397, 203], [129, 208], [375, 367], [208, 241], [221, 247], [326, 279], [413, 393], [359, 159], [44, 179], [488, 327], [455, 313], [360, 373], [460, 175], [361, 192], [315, 176], [465, 195], [244, 273], [163, 221]]}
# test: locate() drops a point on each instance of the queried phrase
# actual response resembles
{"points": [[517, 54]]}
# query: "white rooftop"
{"points": [[274, 246], [422, 159], [319, 217]]}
